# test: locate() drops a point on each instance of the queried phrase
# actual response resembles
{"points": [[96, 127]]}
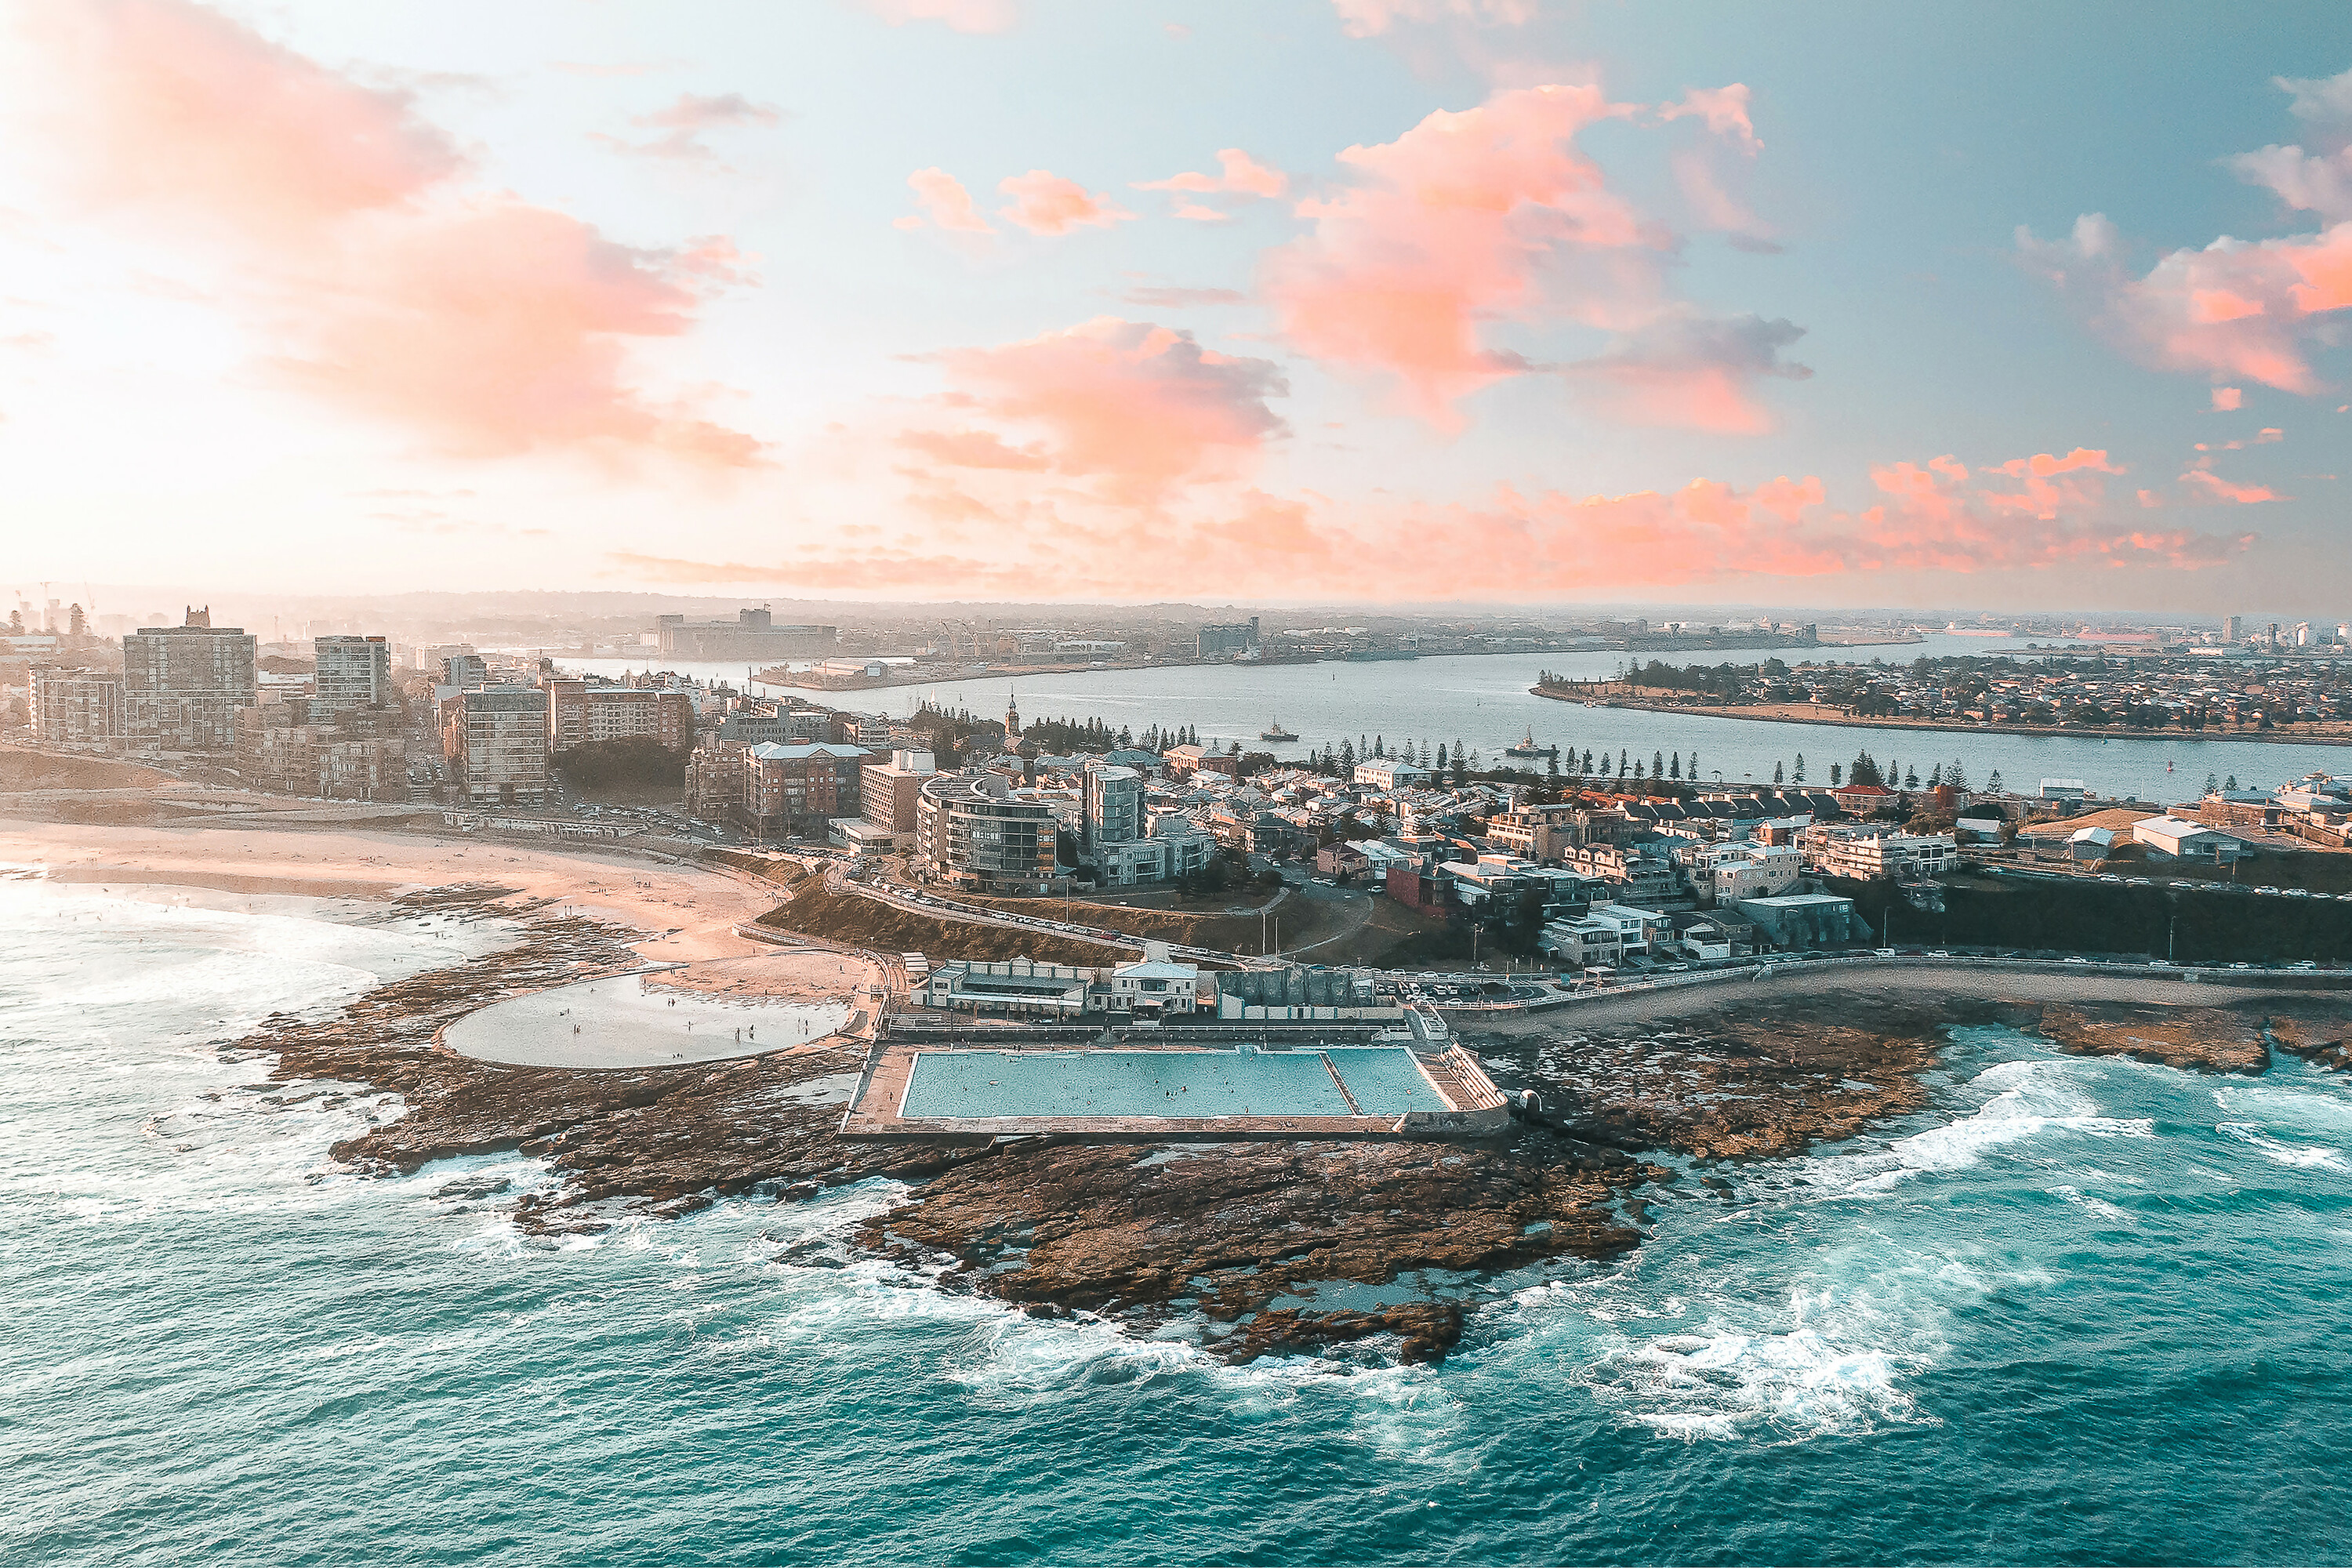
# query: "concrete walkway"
{"points": [[1978, 983]]}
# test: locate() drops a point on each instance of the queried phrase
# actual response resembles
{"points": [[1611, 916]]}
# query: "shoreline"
{"points": [[972, 673], [1791, 714], [1259, 1248]]}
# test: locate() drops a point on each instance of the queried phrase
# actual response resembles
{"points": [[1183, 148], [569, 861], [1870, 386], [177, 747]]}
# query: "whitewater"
{"points": [[2081, 1311]]}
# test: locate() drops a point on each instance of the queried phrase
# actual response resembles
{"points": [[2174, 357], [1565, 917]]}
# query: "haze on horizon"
{"points": [[1290, 301]]}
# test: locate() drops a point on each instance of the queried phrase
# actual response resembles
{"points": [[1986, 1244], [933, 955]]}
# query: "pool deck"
{"points": [[1479, 1112]]}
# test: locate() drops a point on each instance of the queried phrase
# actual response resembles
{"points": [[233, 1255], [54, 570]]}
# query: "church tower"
{"points": [[1012, 723]]}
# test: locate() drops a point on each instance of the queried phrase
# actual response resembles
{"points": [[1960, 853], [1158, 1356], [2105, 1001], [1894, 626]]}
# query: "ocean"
{"points": [[1483, 702], [2081, 1311]]}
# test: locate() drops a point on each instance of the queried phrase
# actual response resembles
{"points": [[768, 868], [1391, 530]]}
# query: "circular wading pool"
{"points": [[622, 1022]]}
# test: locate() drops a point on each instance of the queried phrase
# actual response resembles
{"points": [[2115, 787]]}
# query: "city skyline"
{"points": [[1326, 302]]}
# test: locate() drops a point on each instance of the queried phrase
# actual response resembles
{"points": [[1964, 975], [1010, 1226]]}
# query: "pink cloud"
{"points": [[685, 119], [2042, 465], [166, 107], [1724, 110], [2200, 477], [1238, 174], [2235, 307], [484, 324], [1490, 214], [945, 202], [1134, 405], [1929, 518], [2226, 399], [1045, 203], [1366, 18], [957, 15], [1691, 371], [1463, 220]]}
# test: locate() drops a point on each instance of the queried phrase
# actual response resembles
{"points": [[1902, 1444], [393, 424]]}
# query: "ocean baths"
{"points": [[1175, 1093]]}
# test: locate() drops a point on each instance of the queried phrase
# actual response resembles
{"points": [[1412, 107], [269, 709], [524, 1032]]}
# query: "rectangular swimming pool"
{"points": [[944, 1085]]}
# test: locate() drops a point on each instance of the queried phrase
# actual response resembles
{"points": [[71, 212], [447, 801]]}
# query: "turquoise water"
{"points": [[2082, 1311], [1383, 1081]]}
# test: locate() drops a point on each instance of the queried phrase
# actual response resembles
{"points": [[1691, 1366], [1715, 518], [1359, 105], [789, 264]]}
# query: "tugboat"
{"points": [[1527, 748], [1275, 731]]}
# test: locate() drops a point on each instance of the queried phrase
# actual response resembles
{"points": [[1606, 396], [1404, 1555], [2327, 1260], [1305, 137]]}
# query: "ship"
{"points": [[1527, 748], [1275, 731]]}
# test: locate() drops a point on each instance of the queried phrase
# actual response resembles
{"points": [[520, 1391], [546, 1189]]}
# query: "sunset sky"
{"points": [[1291, 300]]}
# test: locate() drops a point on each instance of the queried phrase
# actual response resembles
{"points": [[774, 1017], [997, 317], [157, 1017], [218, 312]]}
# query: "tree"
{"points": [[1837, 772], [2212, 784], [1693, 765], [1637, 770], [1440, 756], [1587, 768], [1621, 762], [1935, 774], [2231, 783], [1955, 776], [1798, 775], [1911, 779], [1864, 771], [1657, 764], [1993, 783], [1775, 774], [1675, 766]]}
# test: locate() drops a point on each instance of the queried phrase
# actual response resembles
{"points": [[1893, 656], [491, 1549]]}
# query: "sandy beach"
{"points": [[684, 912]]}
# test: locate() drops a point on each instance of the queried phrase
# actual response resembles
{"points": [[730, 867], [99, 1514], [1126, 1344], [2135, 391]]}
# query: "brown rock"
{"points": [[2193, 1039]]}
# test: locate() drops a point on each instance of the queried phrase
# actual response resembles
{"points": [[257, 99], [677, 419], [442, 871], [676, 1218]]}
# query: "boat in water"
{"points": [[1275, 731], [1527, 748]]}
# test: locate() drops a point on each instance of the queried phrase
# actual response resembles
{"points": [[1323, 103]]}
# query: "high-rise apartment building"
{"points": [[182, 685], [971, 833], [2234, 628], [580, 712], [888, 792], [1113, 805], [495, 738], [76, 706], [352, 672], [795, 788]]}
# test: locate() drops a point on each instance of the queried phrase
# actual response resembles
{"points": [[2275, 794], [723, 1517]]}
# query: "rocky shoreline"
{"points": [[1253, 1249]]}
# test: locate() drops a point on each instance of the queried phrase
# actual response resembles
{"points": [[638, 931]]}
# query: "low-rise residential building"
{"points": [[1863, 852], [1803, 920], [1183, 762], [1154, 986], [1537, 832], [1392, 773], [1745, 868], [2171, 839]]}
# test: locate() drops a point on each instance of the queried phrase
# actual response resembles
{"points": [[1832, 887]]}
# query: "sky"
{"points": [[1567, 302]]}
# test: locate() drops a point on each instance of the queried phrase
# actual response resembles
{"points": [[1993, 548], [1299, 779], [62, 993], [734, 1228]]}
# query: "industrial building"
{"points": [[751, 635]]}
